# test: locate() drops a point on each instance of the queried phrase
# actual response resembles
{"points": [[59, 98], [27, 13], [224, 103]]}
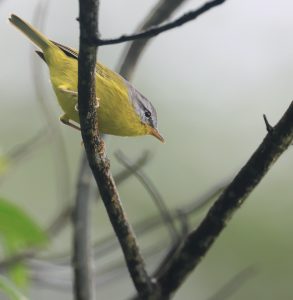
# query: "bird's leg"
{"points": [[67, 91], [98, 102], [64, 119]]}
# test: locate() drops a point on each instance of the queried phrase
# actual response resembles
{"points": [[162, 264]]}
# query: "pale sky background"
{"points": [[211, 80]]}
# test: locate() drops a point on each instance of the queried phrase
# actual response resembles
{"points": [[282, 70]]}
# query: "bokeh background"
{"points": [[210, 80]]}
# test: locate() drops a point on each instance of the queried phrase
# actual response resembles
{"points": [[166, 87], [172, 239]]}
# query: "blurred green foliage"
{"points": [[10, 290], [18, 231]]}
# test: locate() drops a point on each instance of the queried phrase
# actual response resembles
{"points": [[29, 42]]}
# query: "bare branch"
{"points": [[59, 222], [61, 219], [200, 240], [18, 152], [123, 175], [161, 12], [146, 225], [82, 258], [95, 148], [88, 13], [203, 200], [153, 31], [268, 125], [15, 259], [234, 284], [154, 193]]}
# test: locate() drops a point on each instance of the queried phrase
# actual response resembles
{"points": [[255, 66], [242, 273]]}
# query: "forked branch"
{"points": [[153, 31], [201, 239]]}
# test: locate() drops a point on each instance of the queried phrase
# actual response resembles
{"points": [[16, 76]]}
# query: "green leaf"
{"points": [[19, 275], [18, 231], [10, 290]]}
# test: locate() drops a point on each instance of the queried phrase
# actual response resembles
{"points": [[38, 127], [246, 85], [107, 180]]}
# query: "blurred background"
{"points": [[211, 81]]}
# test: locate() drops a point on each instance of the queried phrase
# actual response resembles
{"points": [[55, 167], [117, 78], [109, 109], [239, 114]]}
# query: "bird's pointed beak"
{"points": [[156, 134]]}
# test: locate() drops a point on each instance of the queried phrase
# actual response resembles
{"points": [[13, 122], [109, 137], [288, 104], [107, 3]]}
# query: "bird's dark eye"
{"points": [[147, 114]]}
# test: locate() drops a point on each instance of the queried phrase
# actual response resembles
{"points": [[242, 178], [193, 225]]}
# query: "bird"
{"points": [[121, 109]]}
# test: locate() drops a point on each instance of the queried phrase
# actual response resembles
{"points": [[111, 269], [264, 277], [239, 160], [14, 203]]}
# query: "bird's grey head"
{"points": [[144, 108]]}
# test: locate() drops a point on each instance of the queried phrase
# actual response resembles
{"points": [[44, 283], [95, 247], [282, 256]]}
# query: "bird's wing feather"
{"points": [[68, 51]]}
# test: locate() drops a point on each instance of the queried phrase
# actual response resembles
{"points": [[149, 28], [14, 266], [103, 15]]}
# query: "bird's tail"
{"points": [[35, 36]]}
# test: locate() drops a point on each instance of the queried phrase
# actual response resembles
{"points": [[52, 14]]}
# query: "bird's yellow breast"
{"points": [[116, 114]]}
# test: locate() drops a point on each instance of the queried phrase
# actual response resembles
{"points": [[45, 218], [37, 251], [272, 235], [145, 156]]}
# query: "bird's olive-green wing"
{"points": [[68, 51], [74, 54]]}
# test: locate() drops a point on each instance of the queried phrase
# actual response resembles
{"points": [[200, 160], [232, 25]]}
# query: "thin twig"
{"points": [[268, 125], [160, 13], [153, 192], [233, 285], [16, 258], [144, 226], [82, 258], [61, 219], [19, 152], [95, 148], [58, 276], [201, 239], [123, 175], [201, 201], [153, 31], [137, 165]]}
